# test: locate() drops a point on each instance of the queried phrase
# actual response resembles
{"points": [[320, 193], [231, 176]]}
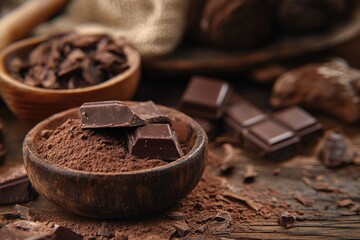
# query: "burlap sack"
{"points": [[154, 27]]}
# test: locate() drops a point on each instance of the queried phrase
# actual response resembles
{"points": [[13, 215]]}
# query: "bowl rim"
{"points": [[4, 75], [201, 142]]}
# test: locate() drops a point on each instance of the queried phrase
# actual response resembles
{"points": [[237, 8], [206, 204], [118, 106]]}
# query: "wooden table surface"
{"points": [[323, 220]]}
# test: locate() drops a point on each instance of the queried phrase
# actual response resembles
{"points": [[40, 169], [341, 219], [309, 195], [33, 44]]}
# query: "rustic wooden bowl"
{"points": [[115, 195], [34, 104]]}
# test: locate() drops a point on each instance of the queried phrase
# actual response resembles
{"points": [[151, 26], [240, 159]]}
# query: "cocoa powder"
{"points": [[102, 150]]}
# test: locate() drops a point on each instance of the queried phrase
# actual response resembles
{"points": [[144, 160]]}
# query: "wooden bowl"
{"points": [[34, 104], [114, 195]]}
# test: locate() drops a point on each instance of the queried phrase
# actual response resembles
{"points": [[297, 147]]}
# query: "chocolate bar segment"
{"points": [[2, 144], [271, 139], [301, 122], [149, 112], [15, 187], [205, 97], [239, 116], [107, 114], [154, 141]]}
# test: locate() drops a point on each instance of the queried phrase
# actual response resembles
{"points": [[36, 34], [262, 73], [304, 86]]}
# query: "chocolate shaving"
{"points": [[182, 229], [250, 174], [307, 202], [70, 61], [250, 203]]}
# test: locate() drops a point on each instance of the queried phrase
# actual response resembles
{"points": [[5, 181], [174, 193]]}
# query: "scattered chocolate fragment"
{"points": [[277, 171], [175, 215], [336, 149], [241, 115], [105, 231], [70, 61], [154, 141], [250, 174], [250, 203], [345, 203], [287, 220], [222, 216], [182, 229], [205, 97], [270, 139], [307, 202], [24, 212], [149, 112], [108, 114], [302, 123], [201, 229], [229, 161], [2, 144], [15, 186]]}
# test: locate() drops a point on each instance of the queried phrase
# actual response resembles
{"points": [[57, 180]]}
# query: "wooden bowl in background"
{"points": [[114, 195], [34, 104]]}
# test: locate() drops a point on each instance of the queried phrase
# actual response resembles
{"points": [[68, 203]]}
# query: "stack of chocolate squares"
{"points": [[148, 130], [274, 135]]}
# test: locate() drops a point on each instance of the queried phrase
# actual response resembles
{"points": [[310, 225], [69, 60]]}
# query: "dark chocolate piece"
{"points": [[149, 112], [299, 121], [205, 97], [15, 187], [336, 149], [287, 220], [105, 231], [154, 141], [241, 115], [250, 174], [108, 114], [2, 144], [271, 139]]}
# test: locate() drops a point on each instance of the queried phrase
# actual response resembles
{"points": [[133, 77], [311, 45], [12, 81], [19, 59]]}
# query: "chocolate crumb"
{"points": [[287, 220], [105, 231], [250, 174]]}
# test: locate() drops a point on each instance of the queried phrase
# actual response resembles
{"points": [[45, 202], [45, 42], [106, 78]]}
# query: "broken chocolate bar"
{"points": [[239, 116], [15, 187], [154, 141], [271, 139], [108, 114], [149, 112], [2, 144], [299, 121], [205, 97]]}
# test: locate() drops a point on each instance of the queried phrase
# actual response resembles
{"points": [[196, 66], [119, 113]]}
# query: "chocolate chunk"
{"points": [[205, 97], [182, 229], [299, 121], [2, 144], [241, 115], [15, 187], [270, 139], [24, 212], [175, 215], [222, 216], [287, 220], [149, 112], [63, 233], [154, 141], [250, 174], [336, 149], [105, 231], [108, 114]]}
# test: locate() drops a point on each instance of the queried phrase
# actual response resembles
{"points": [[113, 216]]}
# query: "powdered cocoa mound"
{"points": [[102, 150]]}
